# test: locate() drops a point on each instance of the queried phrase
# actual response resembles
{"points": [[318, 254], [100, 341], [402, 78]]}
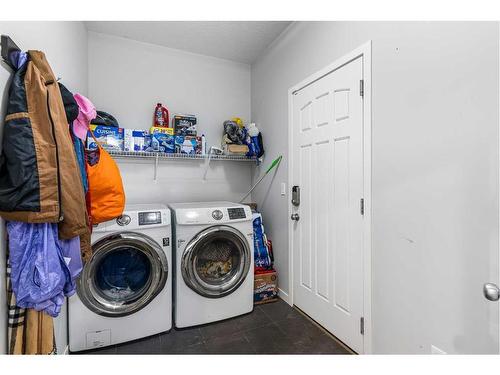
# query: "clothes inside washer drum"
{"points": [[215, 260], [123, 275], [217, 250]]}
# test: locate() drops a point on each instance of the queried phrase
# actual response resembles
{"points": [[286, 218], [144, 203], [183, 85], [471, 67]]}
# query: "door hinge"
{"points": [[362, 325], [362, 206], [362, 88]]}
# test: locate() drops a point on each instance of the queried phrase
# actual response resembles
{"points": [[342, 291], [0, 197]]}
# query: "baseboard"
{"points": [[284, 296]]}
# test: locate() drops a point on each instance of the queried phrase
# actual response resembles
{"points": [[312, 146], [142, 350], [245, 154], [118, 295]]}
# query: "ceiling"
{"points": [[242, 41]]}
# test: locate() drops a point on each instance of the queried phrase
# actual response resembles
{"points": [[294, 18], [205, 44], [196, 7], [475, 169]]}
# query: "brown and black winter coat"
{"points": [[39, 177]]}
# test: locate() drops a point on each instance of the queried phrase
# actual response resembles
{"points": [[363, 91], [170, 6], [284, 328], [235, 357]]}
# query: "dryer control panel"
{"points": [[236, 213], [212, 215]]}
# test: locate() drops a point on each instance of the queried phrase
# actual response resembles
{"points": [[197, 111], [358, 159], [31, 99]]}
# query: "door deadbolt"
{"points": [[296, 196], [491, 292]]}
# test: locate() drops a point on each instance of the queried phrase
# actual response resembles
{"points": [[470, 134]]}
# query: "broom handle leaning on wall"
{"points": [[274, 164]]}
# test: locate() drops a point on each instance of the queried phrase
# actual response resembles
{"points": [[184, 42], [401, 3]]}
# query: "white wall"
{"points": [[127, 78], [435, 171], [435, 156], [65, 45]]}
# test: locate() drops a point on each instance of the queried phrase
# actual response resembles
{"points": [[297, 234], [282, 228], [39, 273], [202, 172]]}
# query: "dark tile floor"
{"points": [[273, 328]]}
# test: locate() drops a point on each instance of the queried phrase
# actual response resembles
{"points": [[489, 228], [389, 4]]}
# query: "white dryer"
{"points": [[213, 262], [125, 290]]}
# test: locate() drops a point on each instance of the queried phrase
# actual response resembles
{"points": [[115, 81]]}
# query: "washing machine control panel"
{"points": [[236, 213], [148, 218]]}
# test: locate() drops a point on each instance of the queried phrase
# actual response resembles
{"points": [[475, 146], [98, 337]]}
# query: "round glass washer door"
{"points": [[126, 272], [216, 261]]}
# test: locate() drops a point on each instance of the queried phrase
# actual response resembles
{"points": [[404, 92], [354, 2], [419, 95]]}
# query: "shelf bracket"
{"points": [[155, 178]]}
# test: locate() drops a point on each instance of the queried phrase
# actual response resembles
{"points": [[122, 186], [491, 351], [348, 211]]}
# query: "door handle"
{"points": [[491, 292], [295, 217]]}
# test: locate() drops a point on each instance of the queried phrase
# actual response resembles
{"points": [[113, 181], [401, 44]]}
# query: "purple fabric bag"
{"points": [[43, 267], [73, 260]]}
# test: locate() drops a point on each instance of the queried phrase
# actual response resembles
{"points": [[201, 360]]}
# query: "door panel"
{"points": [[323, 187], [328, 167], [306, 229], [341, 247]]}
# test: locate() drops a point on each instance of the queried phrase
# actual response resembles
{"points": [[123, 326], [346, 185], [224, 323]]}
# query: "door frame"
{"points": [[364, 51], [498, 143]]}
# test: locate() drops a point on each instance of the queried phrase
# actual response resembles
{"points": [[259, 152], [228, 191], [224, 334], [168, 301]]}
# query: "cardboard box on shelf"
{"points": [[162, 142], [265, 287], [187, 145], [135, 140], [161, 129], [184, 125], [109, 137], [232, 149]]}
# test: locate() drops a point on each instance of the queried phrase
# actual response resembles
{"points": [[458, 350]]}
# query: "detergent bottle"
{"points": [[252, 140], [160, 116]]}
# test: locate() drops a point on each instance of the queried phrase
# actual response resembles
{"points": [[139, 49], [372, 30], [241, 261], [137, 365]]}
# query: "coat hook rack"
{"points": [[10, 51]]}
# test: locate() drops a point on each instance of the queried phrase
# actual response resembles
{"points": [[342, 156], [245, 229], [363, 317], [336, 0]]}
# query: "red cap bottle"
{"points": [[161, 116]]}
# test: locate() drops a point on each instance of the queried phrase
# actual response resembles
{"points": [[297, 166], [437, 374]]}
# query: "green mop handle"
{"points": [[274, 164]]}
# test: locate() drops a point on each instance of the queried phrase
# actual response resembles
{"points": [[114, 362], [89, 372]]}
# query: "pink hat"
{"points": [[86, 113]]}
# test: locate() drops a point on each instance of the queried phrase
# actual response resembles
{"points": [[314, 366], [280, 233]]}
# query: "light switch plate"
{"points": [[283, 189]]}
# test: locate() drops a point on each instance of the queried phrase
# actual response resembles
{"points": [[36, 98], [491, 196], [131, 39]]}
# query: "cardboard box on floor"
{"points": [[265, 282], [265, 287]]}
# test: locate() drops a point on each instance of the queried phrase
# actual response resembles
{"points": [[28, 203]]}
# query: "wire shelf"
{"points": [[163, 156]]}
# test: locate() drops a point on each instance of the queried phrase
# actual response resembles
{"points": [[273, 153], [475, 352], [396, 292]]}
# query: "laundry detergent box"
{"points": [[187, 145], [110, 137], [161, 129], [184, 125], [135, 140], [265, 287], [161, 142]]}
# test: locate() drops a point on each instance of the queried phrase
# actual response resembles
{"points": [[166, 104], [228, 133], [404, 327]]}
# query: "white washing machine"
{"points": [[125, 290], [213, 247]]}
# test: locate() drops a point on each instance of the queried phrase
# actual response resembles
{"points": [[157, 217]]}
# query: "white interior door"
{"points": [[327, 142]]}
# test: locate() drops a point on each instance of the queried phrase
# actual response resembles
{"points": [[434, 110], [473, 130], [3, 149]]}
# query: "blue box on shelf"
{"points": [[161, 142], [110, 137]]}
